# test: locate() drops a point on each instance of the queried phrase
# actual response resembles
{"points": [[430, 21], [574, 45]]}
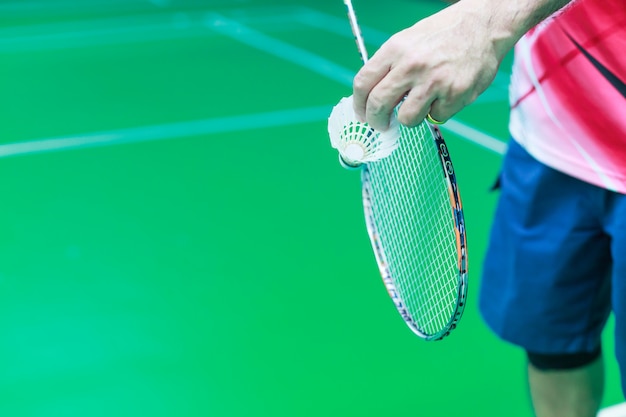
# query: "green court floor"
{"points": [[177, 237]]}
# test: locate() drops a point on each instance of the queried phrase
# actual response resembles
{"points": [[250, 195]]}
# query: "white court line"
{"points": [[618, 410], [167, 131], [330, 70], [275, 47], [478, 137], [104, 31], [128, 29], [29, 6]]}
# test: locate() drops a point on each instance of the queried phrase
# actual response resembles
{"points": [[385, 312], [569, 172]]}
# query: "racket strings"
{"points": [[413, 217]]}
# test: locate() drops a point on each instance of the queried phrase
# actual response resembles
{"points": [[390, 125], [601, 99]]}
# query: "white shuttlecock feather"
{"points": [[357, 142]]}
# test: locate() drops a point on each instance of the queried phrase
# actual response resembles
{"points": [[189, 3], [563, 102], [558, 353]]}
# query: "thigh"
{"points": [[545, 283]]}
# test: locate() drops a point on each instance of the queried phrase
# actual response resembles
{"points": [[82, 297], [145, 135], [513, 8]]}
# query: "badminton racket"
{"points": [[413, 212]]}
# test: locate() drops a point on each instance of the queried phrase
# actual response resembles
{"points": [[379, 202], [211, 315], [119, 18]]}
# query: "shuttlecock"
{"points": [[357, 142]]}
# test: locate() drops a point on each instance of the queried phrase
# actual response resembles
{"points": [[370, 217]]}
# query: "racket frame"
{"points": [[461, 243]]}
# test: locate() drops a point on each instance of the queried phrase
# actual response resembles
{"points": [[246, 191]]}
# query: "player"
{"points": [[556, 263]]}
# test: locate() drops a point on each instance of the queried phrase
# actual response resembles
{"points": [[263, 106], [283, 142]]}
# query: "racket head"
{"points": [[415, 222]]}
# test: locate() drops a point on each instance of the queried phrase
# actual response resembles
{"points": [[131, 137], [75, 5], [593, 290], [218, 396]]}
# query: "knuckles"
{"points": [[375, 105], [360, 82]]}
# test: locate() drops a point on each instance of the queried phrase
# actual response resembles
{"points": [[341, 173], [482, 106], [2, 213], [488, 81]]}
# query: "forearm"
{"points": [[508, 20]]}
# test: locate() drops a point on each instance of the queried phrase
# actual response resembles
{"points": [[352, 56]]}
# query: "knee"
{"points": [[564, 361]]}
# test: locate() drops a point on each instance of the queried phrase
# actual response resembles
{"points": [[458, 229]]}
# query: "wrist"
{"points": [[506, 21]]}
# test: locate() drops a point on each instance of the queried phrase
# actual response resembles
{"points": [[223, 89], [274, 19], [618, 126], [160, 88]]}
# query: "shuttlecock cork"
{"points": [[357, 142]]}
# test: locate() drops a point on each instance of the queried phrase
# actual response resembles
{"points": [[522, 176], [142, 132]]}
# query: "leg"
{"points": [[546, 281], [575, 392]]}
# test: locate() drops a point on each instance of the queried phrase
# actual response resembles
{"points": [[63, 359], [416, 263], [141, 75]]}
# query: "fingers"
{"points": [[432, 67], [382, 101], [415, 109], [386, 80], [441, 111], [378, 89], [365, 81], [418, 101], [375, 100]]}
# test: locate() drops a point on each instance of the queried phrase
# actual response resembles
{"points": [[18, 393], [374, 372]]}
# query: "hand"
{"points": [[438, 66]]}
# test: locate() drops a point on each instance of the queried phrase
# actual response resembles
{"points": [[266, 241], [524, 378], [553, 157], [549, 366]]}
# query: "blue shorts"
{"points": [[556, 262]]}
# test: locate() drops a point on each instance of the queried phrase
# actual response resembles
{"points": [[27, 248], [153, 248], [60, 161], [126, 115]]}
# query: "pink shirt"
{"points": [[568, 92]]}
